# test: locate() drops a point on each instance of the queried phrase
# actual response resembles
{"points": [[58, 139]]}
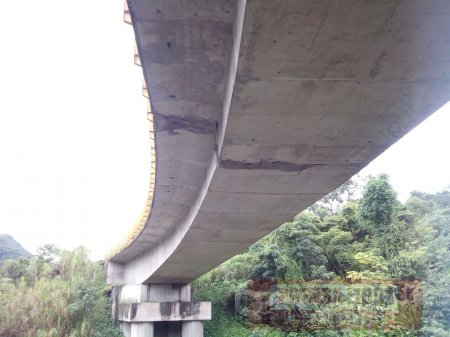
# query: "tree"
{"points": [[333, 201], [378, 203], [339, 249], [374, 267], [49, 252], [387, 228], [372, 238], [14, 269], [290, 252]]}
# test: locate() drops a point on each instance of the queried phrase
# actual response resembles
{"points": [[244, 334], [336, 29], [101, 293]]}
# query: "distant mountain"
{"points": [[11, 249]]}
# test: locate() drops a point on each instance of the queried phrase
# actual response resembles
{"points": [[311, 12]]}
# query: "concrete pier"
{"points": [[142, 329], [192, 329], [159, 310]]}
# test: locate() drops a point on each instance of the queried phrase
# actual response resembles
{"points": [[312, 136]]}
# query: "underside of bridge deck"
{"points": [[261, 107]]}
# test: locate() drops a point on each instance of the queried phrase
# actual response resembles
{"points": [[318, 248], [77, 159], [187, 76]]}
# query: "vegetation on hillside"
{"points": [[348, 240], [55, 294], [343, 241], [11, 249]]}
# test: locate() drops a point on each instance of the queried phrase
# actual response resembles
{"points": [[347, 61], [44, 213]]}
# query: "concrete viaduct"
{"points": [[257, 109]]}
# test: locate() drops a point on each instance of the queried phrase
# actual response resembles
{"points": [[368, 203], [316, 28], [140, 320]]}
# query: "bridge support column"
{"points": [[159, 310], [145, 329], [192, 329], [126, 328]]}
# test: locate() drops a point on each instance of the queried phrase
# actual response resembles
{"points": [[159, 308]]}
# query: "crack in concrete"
{"points": [[265, 165], [171, 123]]}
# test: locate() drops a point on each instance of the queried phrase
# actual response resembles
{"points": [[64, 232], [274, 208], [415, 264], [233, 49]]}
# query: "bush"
{"points": [[44, 298]]}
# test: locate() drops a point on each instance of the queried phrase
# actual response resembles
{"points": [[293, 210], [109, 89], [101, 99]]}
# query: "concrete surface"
{"points": [[192, 329], [142, 330], [159, 310], [262, 107], [164, 311]]}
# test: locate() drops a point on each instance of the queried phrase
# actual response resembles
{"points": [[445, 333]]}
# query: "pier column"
{"points": [[144, 329], [159, 310], [192, 329]]}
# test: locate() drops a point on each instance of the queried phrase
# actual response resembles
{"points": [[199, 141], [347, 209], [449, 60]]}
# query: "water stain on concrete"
{"points": [[171, 123], [266, 165]]}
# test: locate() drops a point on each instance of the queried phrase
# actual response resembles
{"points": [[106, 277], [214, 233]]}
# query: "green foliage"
{"points": [[62, 294], [388, 224], [378, 203], [436, 311], [224, 323], [409, 264], [374, 267], [48, 252], [290, 252], [340, 238], [267, 332], [333, 202], [339, 249]]}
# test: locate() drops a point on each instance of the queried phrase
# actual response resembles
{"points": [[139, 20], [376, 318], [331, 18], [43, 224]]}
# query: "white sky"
{"points": [[73, 128], [421, 159], [74, 136]]}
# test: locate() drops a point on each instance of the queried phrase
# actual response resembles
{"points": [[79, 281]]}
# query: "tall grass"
{"points": [[66, 297]]}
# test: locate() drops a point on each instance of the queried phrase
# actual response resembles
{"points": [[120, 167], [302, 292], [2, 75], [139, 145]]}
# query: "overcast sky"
{"points": [[420, 160], [73, 128], [74, 135]]}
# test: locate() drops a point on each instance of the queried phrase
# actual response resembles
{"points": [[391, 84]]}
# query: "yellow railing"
{"points": [[142, 219]]}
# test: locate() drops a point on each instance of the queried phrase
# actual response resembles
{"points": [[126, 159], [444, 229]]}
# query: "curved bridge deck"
{"points": [[262, 107]]}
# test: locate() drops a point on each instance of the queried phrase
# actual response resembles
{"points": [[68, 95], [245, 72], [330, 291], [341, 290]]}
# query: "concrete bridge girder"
{"points": [[260, 108]]}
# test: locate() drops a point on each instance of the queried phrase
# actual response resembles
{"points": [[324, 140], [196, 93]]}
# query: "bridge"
{"points": [[257, 109]]}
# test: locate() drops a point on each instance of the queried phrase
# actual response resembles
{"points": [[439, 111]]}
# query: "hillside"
{"points": [[11, 249]]}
